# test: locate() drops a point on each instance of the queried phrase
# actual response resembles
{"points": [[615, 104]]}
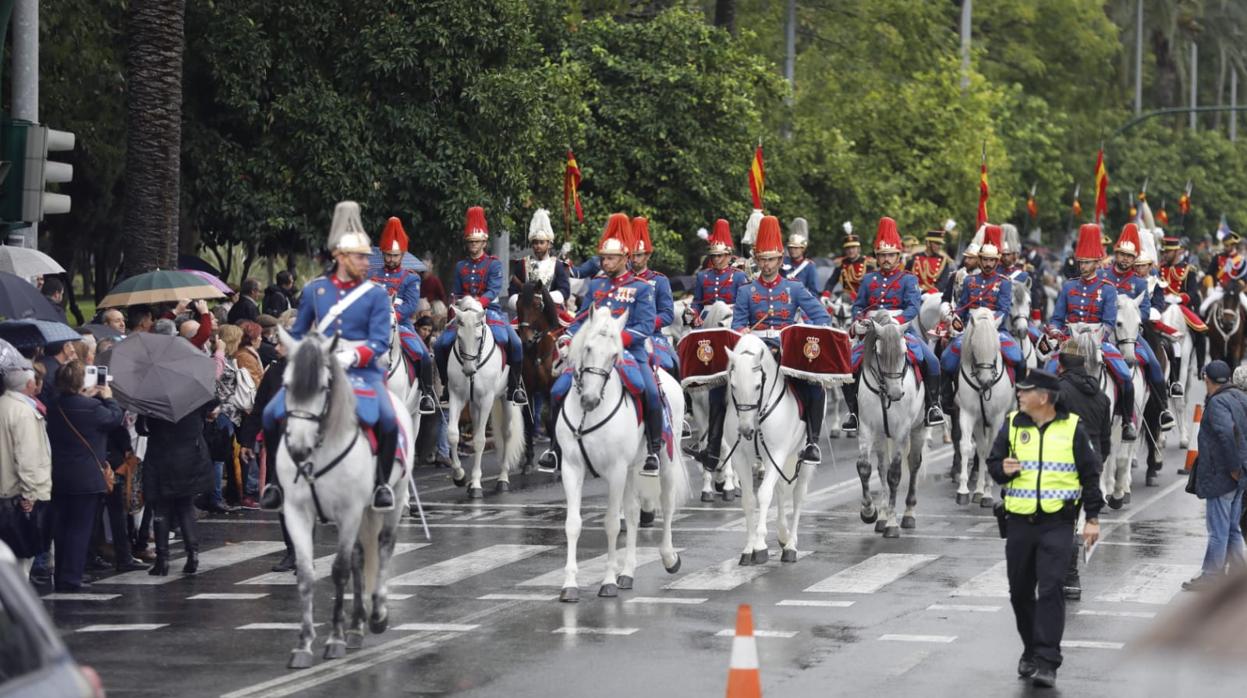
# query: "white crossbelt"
{"points": [[340, 307]]}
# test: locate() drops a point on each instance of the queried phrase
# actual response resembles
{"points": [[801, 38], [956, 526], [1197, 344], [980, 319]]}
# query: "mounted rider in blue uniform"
{"points": [[986, 289], [720, 281], [896, 290], [1123, 277], [664, 304], [345, 303], [1091, 299], [480, 276], [617, 288], [796, 266], [403, 285]]}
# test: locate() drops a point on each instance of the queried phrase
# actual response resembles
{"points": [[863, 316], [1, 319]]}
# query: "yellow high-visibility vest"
{"points": [[1049, 476]]}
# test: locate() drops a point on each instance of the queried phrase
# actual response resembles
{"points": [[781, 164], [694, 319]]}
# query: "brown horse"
{"points": [[1227, 326], [539, 328]]}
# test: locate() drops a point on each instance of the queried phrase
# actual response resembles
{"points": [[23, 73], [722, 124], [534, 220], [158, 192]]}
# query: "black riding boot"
{"points": [[932, 399], [1161, 395], [550, 461], [948, 394], [387, 448], [815, 403], [1126, 409], [653, 439], [160, 529], [442, 358], [1176, 387], [709, 457], [849, 391], [427, 405], [515, 392], [271, 497]]}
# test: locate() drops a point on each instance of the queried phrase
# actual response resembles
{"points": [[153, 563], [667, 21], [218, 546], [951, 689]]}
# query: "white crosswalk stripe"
{"points": [[1150, 583], [322, 567], [991, 583], [469, 565], [593, 569], [872, 574], [229, 554], [725, 576]]}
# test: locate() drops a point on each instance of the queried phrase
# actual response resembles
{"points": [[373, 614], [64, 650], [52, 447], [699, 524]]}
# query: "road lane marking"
{"points": [[518, 597], [438, 627], [79, 597], [815, 603], [476, 562], [594, 568], [348, 596], [894, 637], [273, 626], [725, 576], [208, 561], [781, 634], [1117, 614], [121, 627], [225, 597], [674, 600], [969, 608], [871, 574], [1150, 583], [1092, 644], [581, 630], [322, 567], [990, 583]]}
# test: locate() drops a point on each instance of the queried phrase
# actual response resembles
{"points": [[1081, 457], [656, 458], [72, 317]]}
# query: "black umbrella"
{"points": [[31, 334], [160, 376], [19, 300], [190, 261]]}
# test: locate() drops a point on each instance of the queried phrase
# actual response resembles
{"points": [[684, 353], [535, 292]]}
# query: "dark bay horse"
{"points": [[539, 328], [1227, 325]]}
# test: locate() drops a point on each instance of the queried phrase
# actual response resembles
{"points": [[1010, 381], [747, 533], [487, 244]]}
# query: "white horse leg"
{"points": [[766, 491], [452, 436], [891, 529], [378, 552], [744, 473], [616, 479], [632, 517], [573, 481], [868, 513], [707, 485], [348, 538], [798, 489], [782, 532], [299, 523], [911, 497], [967, 418], [670, 506], [480, 420]]}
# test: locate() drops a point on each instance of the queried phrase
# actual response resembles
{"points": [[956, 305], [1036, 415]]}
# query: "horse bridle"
{"points": [[581, 431], [307, 469], [878, 389], [759, 441]]}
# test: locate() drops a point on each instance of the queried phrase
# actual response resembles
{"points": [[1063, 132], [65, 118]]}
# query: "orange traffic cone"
{"points": [[743, 680], [1193, 452]]}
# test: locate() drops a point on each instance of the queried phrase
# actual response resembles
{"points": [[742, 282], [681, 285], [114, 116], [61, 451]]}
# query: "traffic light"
{"points": [[24, 148]]}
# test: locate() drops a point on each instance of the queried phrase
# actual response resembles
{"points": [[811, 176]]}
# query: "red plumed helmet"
{"points": [[1128, 241], [475, 227], [640, 233], [770, 242], [617, 238], [1090, 247], [993, 241], [394, 238], [887, 239], [720, 241]]}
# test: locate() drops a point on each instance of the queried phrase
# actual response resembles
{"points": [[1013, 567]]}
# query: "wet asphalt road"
{"points": [[474, 610]]}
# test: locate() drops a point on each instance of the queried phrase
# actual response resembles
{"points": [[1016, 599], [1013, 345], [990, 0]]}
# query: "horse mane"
{"points": [[717, 315], [600, 325], [305, 365], [304, 384], [529, 291], [1021, 296], [469, 303], [981, 339], [889, 339]]}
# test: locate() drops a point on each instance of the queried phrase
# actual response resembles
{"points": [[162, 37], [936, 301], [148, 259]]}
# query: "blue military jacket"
{"points": [[1087, 301], [773, 305], [1130, 284], [982, 291], [367, 319], [403, 285], [480, 278], [802, 272], [713, 285], [664, 304], [622, 294], [895, 291]]}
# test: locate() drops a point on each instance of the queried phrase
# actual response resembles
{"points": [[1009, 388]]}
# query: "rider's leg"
{"points": [[441, 350], [1128, 430], [653, 419], [1176, 384], [387, 449], [515, 362], [1156, 382], [1199, 340], [931, 380], [814, 398], [714, 430], [950, 362], [274, 412], [849, 391], [552, 458]]}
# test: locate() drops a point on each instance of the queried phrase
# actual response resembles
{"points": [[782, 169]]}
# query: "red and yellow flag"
{"points": [[1161, 216], [983, 193], [571, 189], [1184, 201], [1032, 207], [1101, 187], [757, 178]]}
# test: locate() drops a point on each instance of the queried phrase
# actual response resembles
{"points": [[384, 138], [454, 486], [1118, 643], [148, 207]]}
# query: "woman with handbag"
{"points": [[25, 466], [176, 469], [78, 424]]}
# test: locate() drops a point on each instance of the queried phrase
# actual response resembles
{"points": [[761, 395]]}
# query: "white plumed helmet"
{"points": [[346, 232], [539, 228]]}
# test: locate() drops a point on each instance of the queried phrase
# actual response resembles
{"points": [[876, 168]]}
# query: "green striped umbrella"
{"points": [[159, 287]]}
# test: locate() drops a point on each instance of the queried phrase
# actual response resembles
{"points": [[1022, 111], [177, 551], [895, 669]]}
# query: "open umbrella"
{"points": [[160, 376], [19, 300], [24, 261], [190, 261], [410, 262], [101, 331], [29, 334], [212, 280], [159, 287], [10, 357]]}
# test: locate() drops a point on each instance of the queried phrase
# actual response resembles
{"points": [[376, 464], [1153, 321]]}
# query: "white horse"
{"points": [[1184, 350], [681, 322], [1019, 325], [326, 464], [841, 310], [477, 377], [598, 432], [722, 481], [1116, 480], [985, 396], [889, 422], [763, 426], [398, 374]]}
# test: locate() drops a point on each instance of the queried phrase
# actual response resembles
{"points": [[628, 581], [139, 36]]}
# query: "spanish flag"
{"points": [[1076, 209], [1032, 207], [1101, 187], [1184, 201], [571, 189], [983, 192], [757, 178]]}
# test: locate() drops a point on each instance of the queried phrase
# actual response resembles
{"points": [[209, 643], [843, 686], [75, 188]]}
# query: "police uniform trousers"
{"points": [[1037, 551]]}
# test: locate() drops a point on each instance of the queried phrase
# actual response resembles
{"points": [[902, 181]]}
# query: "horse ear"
{"points": [[286, 340]]}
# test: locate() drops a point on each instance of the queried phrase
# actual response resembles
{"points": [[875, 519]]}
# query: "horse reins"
{"points": [[306, 469], [763, 413], [463, 357], [580, 431]]}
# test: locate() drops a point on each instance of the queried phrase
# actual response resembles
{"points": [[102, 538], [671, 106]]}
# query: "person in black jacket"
{"points": [[78, 426], [1081, 395], [176, 469], [119, 447], [248, 305], [249, 434]]}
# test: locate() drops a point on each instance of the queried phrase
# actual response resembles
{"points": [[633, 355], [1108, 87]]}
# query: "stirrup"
{"points": [[427, 404], [519, 397], [811, 453], [383, 498], [1167, 420], [548, 462], [1129, 433], [934, 417], [850, 423], [709, 462], [1176, 390], [650, 468], [271, 497]]}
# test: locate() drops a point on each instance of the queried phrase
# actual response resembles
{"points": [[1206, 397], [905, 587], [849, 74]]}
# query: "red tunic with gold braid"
{"points": [[931, 270]]}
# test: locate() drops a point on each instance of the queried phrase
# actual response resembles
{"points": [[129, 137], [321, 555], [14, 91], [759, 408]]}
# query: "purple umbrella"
{"points": [[212, 280]]}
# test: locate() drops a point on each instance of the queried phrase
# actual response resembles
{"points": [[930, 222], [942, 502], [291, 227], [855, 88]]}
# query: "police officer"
{"points": [[1045, 460], [480, 276], [893, 289], [347, 304], [664, 304], [720, 280], [795, 266], [851, 268], [1179, 279], [617, 288], [403, 286]]}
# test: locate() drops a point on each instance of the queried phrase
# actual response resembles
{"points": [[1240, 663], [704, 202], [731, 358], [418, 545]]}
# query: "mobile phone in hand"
{"points": [[91, 379]]}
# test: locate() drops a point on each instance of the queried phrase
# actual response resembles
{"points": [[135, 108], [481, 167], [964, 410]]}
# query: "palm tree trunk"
{"points": [[155, 43]]}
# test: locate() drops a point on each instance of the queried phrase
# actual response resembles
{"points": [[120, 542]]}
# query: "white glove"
{"points": [[1171, 298], [1153, 314], [346, 357]]}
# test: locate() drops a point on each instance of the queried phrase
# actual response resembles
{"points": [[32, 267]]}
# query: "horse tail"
{"points": [[510, 417]]}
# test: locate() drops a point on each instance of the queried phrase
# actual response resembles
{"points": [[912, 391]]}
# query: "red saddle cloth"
{"points": [[703, 356], [815, 352]]}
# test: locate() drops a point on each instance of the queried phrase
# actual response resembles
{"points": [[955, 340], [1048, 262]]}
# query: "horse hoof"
{"points": [[718, 487], [909, 522], [608, 591], [376, 626], [1113, 502], [868, 518], [880, 524], [569, 595], [502, 486], [1184, 444], [986, 502], [354, 640], [729, 495], [459, 481], [1125, 498], [789, 555], [675, 567], [707, 497], [300, 659], [625, 582], [892, 532], [745, 560], [335, 650], [975, 497], [761, 556], [963, 499], [647, 519], [475, 493]]}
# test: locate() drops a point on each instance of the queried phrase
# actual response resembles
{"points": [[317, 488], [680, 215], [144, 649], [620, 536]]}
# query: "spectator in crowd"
{"points": [[424, 328], [176, 469], [115, 320], [251, 431], [220, 313], [84, 349], [268, 340], [194, 322], [54, 290], [25, 456], [248, 305], [280, 297], [78, 425], [140, 319], [55, 356], [166, 327], [219, 436], [121, 455], [1219, 476], [248, 354]]}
